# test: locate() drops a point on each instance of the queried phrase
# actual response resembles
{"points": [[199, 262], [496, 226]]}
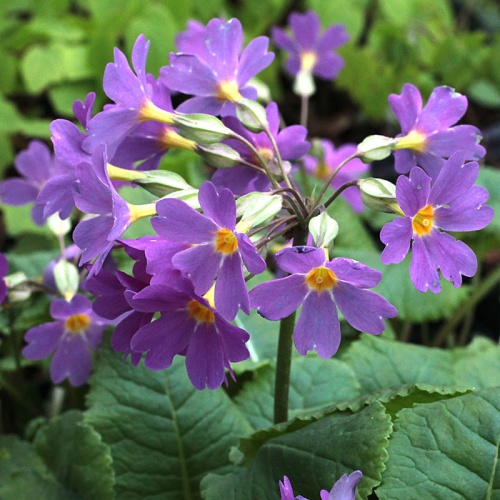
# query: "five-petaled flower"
{"points": [[451, 203], [321, 286]]}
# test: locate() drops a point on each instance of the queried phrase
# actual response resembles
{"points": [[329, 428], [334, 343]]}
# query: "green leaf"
{"points": [[76, 456], [67, 461], [63, 96], [446, 450], [314, 383], [485, 93], [337, 444], [164, 434], [381, 364]]}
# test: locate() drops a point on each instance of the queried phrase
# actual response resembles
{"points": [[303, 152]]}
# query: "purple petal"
{"points": [[205, 358], [443, 109], [404, 161], [332, 38], [412, 194], [300, 259], [292, 64], [462, 137], [454, 180], [163, 339], [68, 139], [234, 340], [251, 258], [318, 327], [363, 309], [355, 272], [305, 28], [241, 180], [17, 192], [180, 223], [42, 339], [35, 163], [200, 264], [72, 360], [254, 59], [61, 309], [279, 298], [328, 66], [220, 207], [431, 163], [291, 142], [126, 329], [454, 258], [57, 195], [189, 75], [396, 235], [231, 293], [91, 236], [423, 273], [406, 107], [83, 110], [282, 40], [467, 213], [344, 488], [209, 105]]}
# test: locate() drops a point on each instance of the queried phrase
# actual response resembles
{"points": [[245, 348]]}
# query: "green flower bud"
{"points": [[323, 229], [66, 278], [162, 182], [379, 194], [219, 155], [256, 208], [252, 115], [201, 128], [376, 147]]}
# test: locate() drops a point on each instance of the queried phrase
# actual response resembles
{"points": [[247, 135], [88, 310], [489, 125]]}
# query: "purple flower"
{"points": [[343, 489], [321, 286], [309, 51], [76, 332], [291, 142], [323, 168], [192, 41], [217, 251], [427, 134], [218, 72], [4, 266], [189, 326], [97, 195], [452, 203], [133, 93], [36, 166]]}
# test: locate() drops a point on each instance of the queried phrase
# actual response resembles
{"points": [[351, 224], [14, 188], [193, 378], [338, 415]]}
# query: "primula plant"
{"points": [[231, 296]]}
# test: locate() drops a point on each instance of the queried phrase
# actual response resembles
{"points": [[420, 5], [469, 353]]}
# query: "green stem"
{"points": [[479, 292], [304, 110], [283, 368]]}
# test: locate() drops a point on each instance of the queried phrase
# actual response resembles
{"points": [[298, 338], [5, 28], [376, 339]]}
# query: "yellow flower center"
{"points": [[225, 241], [308, 60], [227, 90], [322, 170], [199, 312], [171, 139], [415, 141], [423, 221], [321, 279], [77, 323]]}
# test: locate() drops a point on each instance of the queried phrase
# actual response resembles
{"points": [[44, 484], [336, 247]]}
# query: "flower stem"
{"points": [[283, 368]]}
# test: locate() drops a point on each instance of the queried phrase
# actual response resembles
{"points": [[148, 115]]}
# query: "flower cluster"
{"points": [[266, 185]]}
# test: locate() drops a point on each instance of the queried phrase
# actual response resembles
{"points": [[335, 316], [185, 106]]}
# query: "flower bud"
{"points": [[18, 289], [303, 84], [256, 208], [219, 155], [375, 147], [323, 229], [201, 128], [66, 278], [58, 226], [162, 182], [252, 115], [379, 194]]}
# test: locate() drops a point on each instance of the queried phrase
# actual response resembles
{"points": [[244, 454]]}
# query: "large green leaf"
{"points": [[164, 434], [380, 364], [314, 383], [68, 461], [313, 457], [446, 450]]}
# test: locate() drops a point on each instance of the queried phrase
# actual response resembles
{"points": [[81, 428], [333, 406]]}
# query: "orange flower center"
{"points": [[321, 279], [225, 241], [423, 221], [77, 323], [199, 312]]}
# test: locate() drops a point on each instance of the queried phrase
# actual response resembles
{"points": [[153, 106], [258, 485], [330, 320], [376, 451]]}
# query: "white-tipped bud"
{"points": [[162, 182], [17, 288], [66, 278], [323, 229], [252, 115], [201, 128], [303, 84], [256, 208], [379, 194], [219, 155], [58, 226], [376, 147]]}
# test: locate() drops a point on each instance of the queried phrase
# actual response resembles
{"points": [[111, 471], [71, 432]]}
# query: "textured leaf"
{"points": [[164, 435], [313, 458], [314, 383], [381, 364], [77, 457], [446, 450]]}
